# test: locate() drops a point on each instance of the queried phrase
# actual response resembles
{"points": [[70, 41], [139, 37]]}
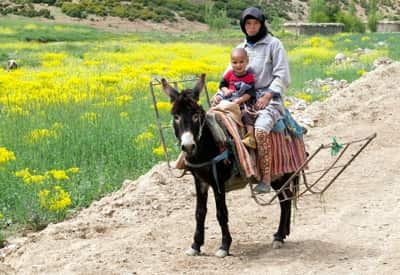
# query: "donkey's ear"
{"points": [[199, 86], [171, 92]]}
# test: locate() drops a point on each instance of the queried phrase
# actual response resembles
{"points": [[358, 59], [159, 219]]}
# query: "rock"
{"points": [[381, 61], [381, 44], [308, 121], [7, 250], [340, 58], [11, 65]]}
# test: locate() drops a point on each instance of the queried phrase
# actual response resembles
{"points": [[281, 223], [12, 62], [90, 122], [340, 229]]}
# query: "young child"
{"points": [[237, 86]]}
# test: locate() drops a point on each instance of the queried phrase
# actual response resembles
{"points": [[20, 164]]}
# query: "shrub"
{"points": [[372, 22], [351, 22], [216, 19], [73, 10], [50, 2], [318, 12]]}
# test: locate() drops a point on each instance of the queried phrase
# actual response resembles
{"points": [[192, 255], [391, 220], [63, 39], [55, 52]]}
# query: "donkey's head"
{"points": [[188, 117]]}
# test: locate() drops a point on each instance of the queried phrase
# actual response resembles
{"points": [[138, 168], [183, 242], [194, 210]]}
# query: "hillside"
{"points": [[145, 226], [170, 14]]}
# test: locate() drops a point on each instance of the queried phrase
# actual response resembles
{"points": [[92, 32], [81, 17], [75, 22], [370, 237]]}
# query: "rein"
{"points": [[201, 129], [224, 155]]}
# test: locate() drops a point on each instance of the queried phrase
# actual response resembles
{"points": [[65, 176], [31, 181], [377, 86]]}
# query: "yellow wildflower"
{"points": [[314, 41], [73, 170], [123, 114], [108, 79], [23, 173], [361, 72], [17, 110], [40, 134], [91, 63], [158, 151], [58, 174], [304, 96], [313, 53], [28, 178], [55, 199], [164, 106], [89, 116], [146, 136], [6, 31], [6, 155], [123, 99], [31, 27], [325, 88], [372, 55], [307, 61], [212, 86], [57, 125], [287, 103], [1, 216], [35, 179]]}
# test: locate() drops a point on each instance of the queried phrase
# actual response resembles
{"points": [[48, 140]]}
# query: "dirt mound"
{"points": [[145, 226]]}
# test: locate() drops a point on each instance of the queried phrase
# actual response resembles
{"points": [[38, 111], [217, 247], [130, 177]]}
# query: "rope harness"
{"points": [[224, 155]]}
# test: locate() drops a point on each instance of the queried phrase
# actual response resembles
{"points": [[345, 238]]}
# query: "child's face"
{"points": [[239, 63]]}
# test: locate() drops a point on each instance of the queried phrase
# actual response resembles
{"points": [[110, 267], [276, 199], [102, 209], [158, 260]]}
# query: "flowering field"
{"points": [[77, 117]]}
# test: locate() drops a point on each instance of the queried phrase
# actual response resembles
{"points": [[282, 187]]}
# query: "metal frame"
{"points": [[309, 187], [156, 82]]}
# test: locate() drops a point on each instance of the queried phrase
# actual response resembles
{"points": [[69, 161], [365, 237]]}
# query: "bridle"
{"points": [[213, 162]]}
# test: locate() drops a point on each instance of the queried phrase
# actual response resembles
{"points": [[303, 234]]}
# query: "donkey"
{"points": [[211, 168]]}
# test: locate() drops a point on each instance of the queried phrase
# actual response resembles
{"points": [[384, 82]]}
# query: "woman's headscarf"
{"points": [[253, 13]]}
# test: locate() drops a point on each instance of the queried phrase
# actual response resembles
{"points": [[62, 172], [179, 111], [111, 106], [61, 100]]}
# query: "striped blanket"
{"points": [[246, 158], [288, 153]]}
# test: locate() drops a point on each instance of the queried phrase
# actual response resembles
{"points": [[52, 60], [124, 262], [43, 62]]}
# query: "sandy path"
{"points": [[145, 227]]}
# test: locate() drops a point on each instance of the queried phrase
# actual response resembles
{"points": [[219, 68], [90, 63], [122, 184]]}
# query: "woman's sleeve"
{"points": [[280, 70]]}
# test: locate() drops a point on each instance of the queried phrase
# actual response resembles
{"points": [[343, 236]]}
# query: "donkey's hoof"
{"points": [[221, 253], [277, 244], [192, 252]]}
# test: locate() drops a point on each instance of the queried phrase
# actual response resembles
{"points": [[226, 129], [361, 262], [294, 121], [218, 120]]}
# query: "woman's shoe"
{"points": [[262, 188]]}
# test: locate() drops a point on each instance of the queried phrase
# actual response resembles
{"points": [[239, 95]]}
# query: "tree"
{"points": [[372, 17], [318, 11], [352, 7]]}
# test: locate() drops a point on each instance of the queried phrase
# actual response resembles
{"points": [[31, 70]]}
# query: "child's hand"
{"points": [[228, 93], [216, 100]]}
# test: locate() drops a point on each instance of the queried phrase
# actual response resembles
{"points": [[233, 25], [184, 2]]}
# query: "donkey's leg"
{"points": [[222, 216], [201, 211], [286, 209]]}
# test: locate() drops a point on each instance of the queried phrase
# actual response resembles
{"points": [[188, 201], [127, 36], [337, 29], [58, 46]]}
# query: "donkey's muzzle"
{"points": [[189, 148], [188, 144]]}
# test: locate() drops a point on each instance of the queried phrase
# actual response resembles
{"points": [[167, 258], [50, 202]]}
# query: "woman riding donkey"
{"points": [[268, 63]]}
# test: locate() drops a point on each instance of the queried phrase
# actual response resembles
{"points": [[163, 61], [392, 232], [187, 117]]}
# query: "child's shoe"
{"points": [[249, 141]]}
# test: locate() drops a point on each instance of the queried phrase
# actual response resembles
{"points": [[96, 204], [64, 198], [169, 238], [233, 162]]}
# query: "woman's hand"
{"points": [[263, 101]]}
